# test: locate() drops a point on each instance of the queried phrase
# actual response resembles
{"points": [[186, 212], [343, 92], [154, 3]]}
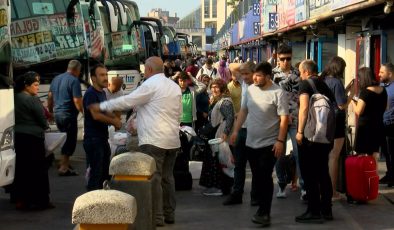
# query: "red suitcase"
{"points": [[362, 180]]}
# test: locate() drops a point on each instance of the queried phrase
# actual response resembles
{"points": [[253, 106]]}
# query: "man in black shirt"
{"points": [[95, 140], [313, 156]]}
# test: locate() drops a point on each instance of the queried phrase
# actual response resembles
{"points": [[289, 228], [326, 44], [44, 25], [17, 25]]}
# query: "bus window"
{"points": [[22, 9], [42, 8]]}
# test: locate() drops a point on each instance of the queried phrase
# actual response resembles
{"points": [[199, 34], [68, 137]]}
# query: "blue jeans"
{"points": [[280, 171], [68, 124], [241, 157], [98, 155]]}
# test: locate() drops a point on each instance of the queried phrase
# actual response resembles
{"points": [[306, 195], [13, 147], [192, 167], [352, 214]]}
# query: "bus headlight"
{"points": [[7, 141]]}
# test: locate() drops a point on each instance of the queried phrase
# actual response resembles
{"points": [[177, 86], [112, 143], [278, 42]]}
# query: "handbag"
{"points": [[208, 131]]}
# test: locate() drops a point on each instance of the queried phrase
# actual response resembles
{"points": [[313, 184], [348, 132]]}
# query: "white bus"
{"points": [[7, 120]]}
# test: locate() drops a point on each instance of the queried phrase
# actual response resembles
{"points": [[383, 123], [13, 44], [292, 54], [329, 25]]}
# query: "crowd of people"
{"points": [[255, 107]]}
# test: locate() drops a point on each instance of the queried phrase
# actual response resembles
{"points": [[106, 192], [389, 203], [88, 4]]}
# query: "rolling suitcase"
{"points": [[362, 180], [182, 176]]}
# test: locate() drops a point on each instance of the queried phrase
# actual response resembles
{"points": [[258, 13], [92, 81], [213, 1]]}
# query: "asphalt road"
{"points": [[195, 211]]}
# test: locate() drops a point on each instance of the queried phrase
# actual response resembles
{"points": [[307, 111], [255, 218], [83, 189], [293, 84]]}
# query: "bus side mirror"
{"points": [[92, 16], [112, 14]]}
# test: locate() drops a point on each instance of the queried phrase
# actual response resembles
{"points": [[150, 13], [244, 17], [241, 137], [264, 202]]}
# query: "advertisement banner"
{"points": [[269, 16], [286, 13], [337, 4], [290, 11], [300, 11], [4, 17], [249, 26], [319, 7], [40, 39], [281, 12]]}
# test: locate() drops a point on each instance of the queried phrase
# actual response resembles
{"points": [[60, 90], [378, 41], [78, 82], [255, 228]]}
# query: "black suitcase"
{"points": [[183, 180], [182, 175]]}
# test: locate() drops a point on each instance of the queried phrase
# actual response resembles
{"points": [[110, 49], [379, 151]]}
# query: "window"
{"points": [[207, 8], [214, 8], [197, 40]]}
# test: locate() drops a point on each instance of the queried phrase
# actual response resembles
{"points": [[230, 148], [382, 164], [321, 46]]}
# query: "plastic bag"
{"points": [[54, 140], [226, 159], [131, 124]]}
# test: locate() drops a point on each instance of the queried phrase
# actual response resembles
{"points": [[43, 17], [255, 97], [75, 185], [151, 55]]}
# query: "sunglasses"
{"points": [[285, 58]]}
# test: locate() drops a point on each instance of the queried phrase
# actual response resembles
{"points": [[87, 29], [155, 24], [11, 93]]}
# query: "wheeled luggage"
{"points": [[362, 180], [182, 176]]}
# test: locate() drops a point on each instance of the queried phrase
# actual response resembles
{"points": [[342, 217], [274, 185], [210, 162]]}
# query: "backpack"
{"points": [[214, 71], [320, 125]]}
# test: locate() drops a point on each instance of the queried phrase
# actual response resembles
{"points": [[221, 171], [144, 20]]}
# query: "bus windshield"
{"points": [[45, 30]]}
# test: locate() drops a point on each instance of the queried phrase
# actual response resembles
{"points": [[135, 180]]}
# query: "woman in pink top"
{"points": [[224, 72]]}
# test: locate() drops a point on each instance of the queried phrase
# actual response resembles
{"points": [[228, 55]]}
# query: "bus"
{"points": [[7, 119], [172, 43], [121, 41], [186, 47], [46, 35], [155, 43]]}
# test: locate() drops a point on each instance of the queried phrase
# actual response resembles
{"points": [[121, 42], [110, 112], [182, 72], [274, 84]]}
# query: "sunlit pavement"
{"points": [[195, 211]]}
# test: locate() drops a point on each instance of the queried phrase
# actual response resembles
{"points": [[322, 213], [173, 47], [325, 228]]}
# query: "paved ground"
{"points": [[195, 211]]}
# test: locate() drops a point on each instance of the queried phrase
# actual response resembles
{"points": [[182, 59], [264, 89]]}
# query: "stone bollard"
{"points": [[132, 173], [104, 210]]}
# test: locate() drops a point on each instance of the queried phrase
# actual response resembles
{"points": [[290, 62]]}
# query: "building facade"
{"points": [[359, 31]]}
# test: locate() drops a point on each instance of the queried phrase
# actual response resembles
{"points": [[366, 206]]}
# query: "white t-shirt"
{"points": [[159, 102], [264, 110]]}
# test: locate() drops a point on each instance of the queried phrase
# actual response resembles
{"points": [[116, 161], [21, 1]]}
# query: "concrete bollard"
{"points": [[104, 210], [132, 173]]}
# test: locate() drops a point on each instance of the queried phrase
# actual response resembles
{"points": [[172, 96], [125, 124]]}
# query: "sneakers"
{"points": [[264, 220], [261, 218], [160, 223], [327, 215], [212, 192], [233, 199], [309, 218], [281, 194], [169, 220]]}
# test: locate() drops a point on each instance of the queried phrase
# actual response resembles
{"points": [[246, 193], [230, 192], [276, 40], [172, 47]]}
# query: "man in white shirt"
{"points": [[158, 100]]}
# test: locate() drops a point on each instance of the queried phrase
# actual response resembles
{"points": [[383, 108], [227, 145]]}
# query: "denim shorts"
{"points": [[69, 125]]}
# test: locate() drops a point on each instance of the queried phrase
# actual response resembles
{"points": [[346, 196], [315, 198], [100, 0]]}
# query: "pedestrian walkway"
{"points": [[196, 211]]}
